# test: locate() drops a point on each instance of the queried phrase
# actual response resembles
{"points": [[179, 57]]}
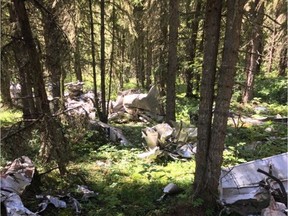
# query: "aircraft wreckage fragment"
{"points": [[251, 187], [179, 141], [15, 177]]}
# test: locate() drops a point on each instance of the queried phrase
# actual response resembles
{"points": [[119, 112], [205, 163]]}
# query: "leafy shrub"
{"points": [[272, 89]]}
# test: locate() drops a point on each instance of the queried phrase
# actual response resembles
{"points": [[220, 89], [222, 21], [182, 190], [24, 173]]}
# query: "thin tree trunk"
{"points": [[121, 78], [172, 60], [149, 60], [5, 76], [103, 116], [112, 54], [210, 153], [139, 45], [271, 50], [211, 41], [148, 51], [93, 60], [20, 53], [77, 44], [54, 144], [283, 62], [77, 58], [224, 94], [254, 51], [162, 69], [190, 71], [5, 86]]}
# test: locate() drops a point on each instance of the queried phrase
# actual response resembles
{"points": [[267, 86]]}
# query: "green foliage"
{"points": [[127, 185], [185, 107], [254, 142], [197, 202], [271, 89], [9, 117]]}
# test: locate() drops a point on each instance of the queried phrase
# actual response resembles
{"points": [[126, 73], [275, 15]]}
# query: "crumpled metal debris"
{"points": [[55, 201], [169, 189], [187, 150], [113, 133], [58, 202], [15, 177], [132, 105], [86, 192], [178, 141], [274, 208], [246, 191], [75, 89]]}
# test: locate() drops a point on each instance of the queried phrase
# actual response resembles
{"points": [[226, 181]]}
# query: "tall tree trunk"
{"points": [[191, 48], [5, 75], [271, 49], [5, 85], [209, 157], [20, 52], [77, 58], [172, 60], [54, 144], [254, 49], [283, 62], [77, 44], [211, 41], [93, 60], [27, 98], [121, 78], [224, 94], [163, 39], [53, 45], [111, 54], [103, 116], [56, 46], [139, 45], [148, 53]]}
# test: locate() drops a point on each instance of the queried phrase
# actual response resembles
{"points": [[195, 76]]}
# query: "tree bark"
{"points": [[54, 145], [283, 62], [96, 99], [210, 153], [20, 53], [77, 60], [191, 51], [224, 94], [5, 86], [149, 47], [163, 38], [211, 41], [111, 54], [172, 60], [254, 50], [139, 45], [103, 116]]}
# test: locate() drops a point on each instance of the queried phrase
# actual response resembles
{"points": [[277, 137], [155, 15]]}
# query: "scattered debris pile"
{"points": [[170, 189], [256, 186], [131, 105], [113, 134], [79, 103], [179, 141], [16, 176]]}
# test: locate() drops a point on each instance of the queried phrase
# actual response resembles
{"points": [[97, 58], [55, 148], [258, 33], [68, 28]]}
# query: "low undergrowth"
{"points": [[128, 185]]}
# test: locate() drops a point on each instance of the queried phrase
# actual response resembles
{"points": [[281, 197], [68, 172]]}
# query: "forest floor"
{"points": [[125, 184]]}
